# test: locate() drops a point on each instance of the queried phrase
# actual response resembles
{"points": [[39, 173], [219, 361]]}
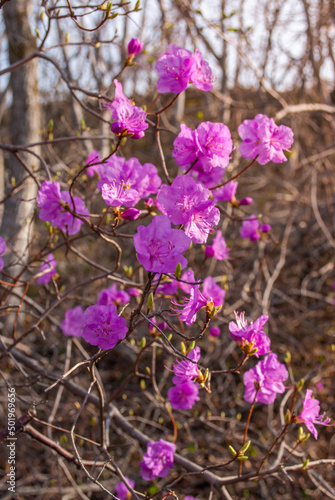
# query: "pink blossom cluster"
{"points": [[157, 460], [251, 338], [184, 393], [263, 139], [129, 120], [207, 148], [178, 67], [126, 182], [159, 247], [51, 201], [47, 269], [187, 202], [310, 414], [265, 381], [211, 296]]}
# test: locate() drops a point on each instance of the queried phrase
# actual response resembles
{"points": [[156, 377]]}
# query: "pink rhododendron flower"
{"points": [[93, 157], [128, 119], [310, 414], [186, 148], [252, 336], [127, 181], [177, 67], [226, 192], [204, 217], [187, 370], [212, 291], [74, 322], [190, 307], [134, 292], [218, 249], [103, 327], [186, 202], [50, 199], [187, 276], [184, 395], [117, 193], [113, 296], [122, 491], [210, 144], [262, 137], [48, 269], [268, 376], [249, 229], [159, 248], [157, 460], [197, 299], [215, 145]]}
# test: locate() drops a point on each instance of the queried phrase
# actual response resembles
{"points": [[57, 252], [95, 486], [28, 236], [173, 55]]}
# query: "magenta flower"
{"points": [[265, 380], [190, 307], [186, 147], [129, 176], [190, 498], [201, 74], [50, 199], [159, 248], [213, 292], [215, 145], [135, 47], [178, 200], [250, 337], [3, 247], [93, 157], [265, 228], [310, 414], [122, 491], [249, 229], [226, 192], [113, 296], [186, 202], [262, 137], [187, 370], [47, 269], [187, 276], [128, 119], [168, 287], [157, 460], [117, 193], [210, 144], [177, 67], [183, 396], [204, 217], [74, 322], [134, 292], [218, 249], [103, 327]]}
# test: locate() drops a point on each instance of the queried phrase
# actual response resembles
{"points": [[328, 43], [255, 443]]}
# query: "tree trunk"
{"points": [[23, 128]]}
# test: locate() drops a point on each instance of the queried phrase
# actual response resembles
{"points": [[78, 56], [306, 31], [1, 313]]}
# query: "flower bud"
{"points": [[130, 214], [134, 48], [214, 331], [265, 228], [245, 201]]}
